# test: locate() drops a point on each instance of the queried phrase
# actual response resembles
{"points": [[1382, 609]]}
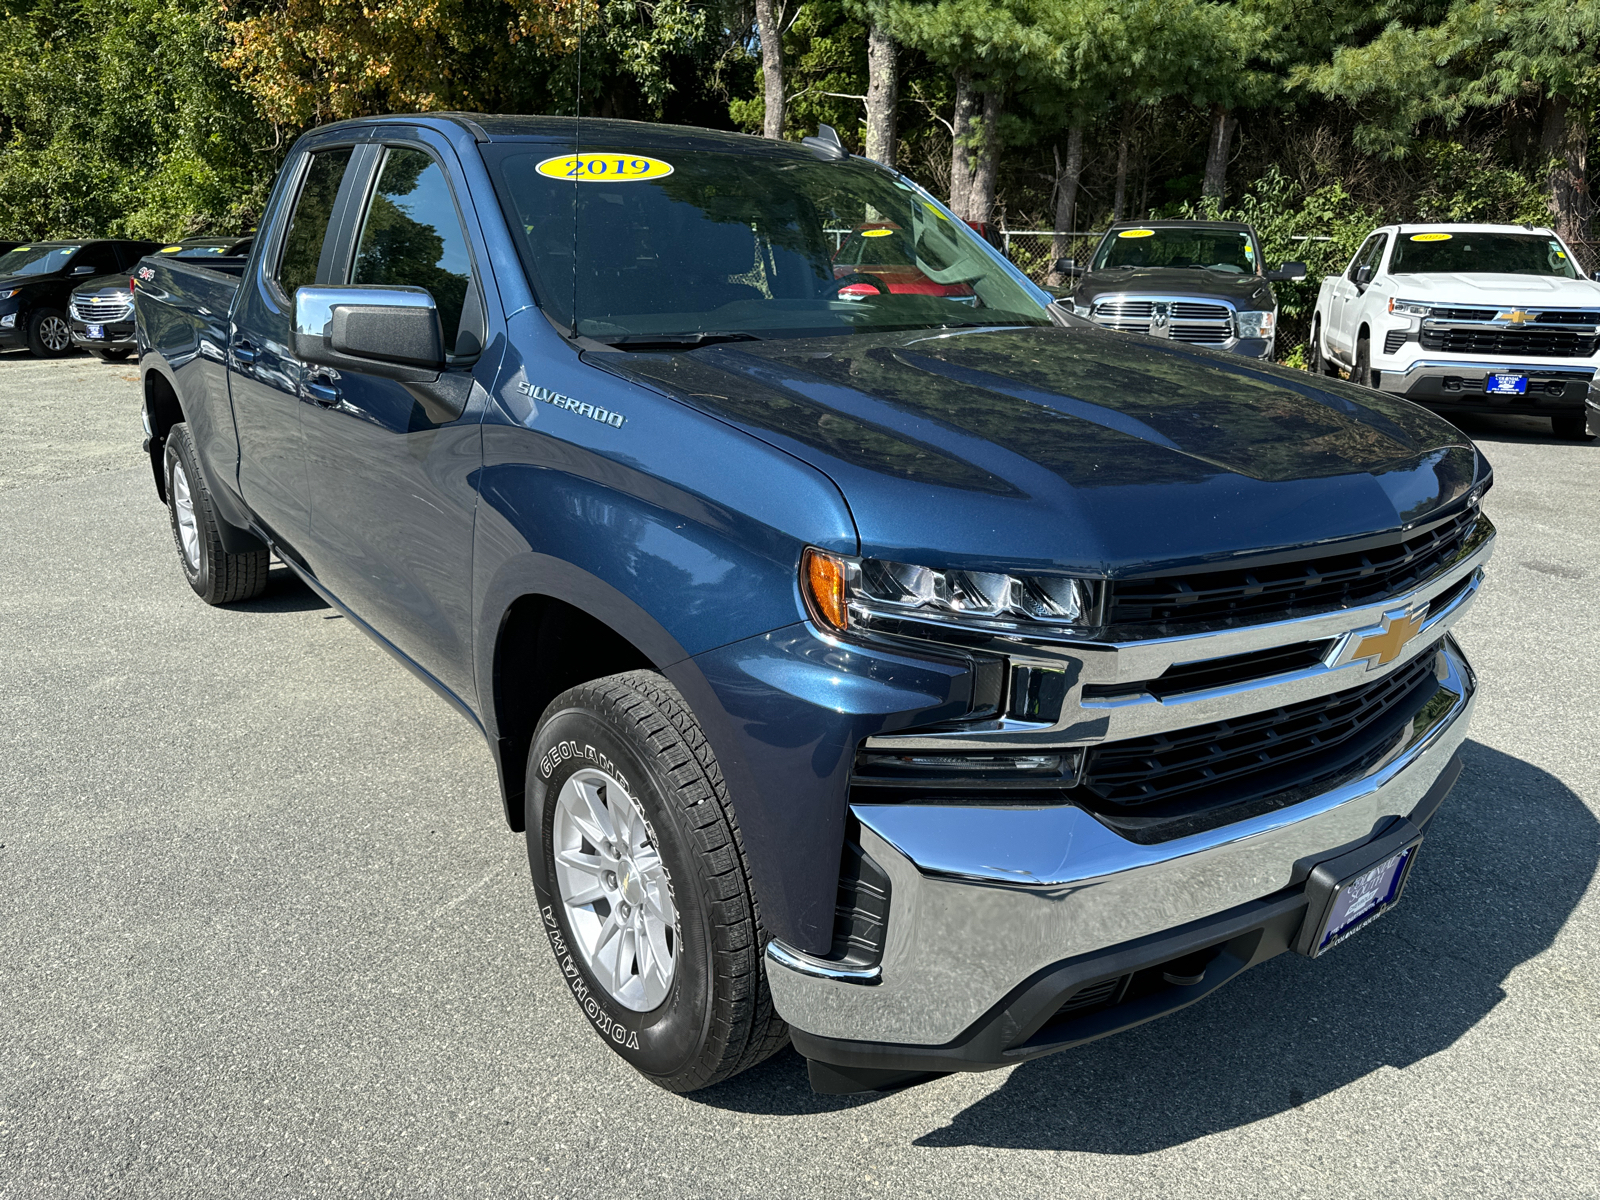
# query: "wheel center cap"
{"points": [[630, 883]]}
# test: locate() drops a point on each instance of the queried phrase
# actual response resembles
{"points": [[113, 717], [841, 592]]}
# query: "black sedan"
{"points": [[36, 281], [101, 311]]}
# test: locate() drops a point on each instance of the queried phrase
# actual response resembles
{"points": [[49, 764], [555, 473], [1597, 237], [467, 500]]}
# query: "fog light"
{"points": [[9, 321]]}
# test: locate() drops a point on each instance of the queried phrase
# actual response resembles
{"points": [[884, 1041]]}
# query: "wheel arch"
{"points": [[165, 410]]}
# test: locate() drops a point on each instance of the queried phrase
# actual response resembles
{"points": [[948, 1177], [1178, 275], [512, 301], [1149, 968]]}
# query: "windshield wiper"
{"points": [[674, 341]]}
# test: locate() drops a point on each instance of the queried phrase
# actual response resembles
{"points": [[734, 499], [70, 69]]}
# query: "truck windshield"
{"points": [[34, 260], [1481, 254], [1232, 251], [693, 244]]}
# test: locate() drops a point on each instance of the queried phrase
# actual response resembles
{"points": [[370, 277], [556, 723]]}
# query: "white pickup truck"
{"points": [[1466, 318]]}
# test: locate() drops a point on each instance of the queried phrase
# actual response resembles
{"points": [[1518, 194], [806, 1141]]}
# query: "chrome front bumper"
{"points": [[983, 897]]}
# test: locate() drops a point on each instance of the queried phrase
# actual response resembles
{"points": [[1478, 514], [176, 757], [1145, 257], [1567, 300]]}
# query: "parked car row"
{"points": [[61, 294]]}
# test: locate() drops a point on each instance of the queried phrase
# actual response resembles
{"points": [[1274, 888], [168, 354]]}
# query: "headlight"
{"points": [[1254, 324], [9, 294], [1411, 308], [847, 593]]}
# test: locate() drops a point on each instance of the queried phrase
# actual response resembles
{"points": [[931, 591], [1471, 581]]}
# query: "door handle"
{"points": [[244, 352], [321, 388]]}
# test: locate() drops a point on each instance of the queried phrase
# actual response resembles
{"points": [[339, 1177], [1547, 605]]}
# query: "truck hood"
{"points": [[1446, 286], [1076, 448], [1249, 292]]}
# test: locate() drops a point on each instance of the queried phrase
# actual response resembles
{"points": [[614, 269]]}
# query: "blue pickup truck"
{"points": [[881, 659]]}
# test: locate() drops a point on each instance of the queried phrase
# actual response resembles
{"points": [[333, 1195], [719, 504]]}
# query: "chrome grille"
{"points": [[1183, 310], [100, 309], [1195, 322]]}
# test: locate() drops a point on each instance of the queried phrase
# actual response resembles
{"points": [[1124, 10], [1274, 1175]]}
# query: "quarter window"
{"points": [[308, 227], [412, 237]]}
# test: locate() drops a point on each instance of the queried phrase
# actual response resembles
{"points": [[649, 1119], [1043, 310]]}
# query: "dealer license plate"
{"points": [[1363, 898], [1506, 385], [94, 331]]}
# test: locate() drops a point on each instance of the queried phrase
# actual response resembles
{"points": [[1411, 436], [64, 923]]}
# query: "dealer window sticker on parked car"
{"points": [[1431, 237], [1137, 233], [604, 168]]}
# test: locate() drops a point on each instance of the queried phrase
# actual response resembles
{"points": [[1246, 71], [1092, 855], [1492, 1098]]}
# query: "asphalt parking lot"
{"points": [[263, 931]]}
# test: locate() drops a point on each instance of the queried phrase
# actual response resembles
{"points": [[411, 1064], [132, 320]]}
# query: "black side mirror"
{"points": [[83, 270], [1066, 267], [1363, 275], [1288, 271]]}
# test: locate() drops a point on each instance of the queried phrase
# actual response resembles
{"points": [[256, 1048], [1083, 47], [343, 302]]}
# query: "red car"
{"points": [[881, 255]]}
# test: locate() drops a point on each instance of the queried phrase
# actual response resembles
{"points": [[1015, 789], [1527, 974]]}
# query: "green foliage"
{"points": [[116, 119]]}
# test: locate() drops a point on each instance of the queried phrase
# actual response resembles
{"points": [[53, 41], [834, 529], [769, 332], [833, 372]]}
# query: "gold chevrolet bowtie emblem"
{"points": [[1384, 646], [1517, 316]]}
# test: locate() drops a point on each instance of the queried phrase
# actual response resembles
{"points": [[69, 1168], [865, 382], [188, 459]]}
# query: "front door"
{"points": [[265, 379], [392, 493]]}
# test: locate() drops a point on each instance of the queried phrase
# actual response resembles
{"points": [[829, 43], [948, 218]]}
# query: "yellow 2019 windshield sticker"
{"points": [[1431, 237], [876, 232], [604, 168], [1137, 233]]}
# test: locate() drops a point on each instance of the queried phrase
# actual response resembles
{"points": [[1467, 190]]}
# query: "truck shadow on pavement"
{"points": [[285, 594], [1505, 862], [1513, 427]]}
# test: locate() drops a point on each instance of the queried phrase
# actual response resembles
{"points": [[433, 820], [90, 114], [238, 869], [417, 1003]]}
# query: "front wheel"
{"points": [[216, 576], [49, 335], [644, 895], [1362, 373]]}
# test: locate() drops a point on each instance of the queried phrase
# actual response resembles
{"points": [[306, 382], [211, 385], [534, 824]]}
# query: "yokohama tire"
{"points": [[216, 576], [634, 733], [49, 335]]}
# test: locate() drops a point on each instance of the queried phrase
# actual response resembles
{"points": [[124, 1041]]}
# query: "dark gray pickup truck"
{"points": [[873, 655], [1205, 283]]}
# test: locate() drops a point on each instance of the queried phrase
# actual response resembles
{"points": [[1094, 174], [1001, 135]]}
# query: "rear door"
{"points": [[265, 380], [392, 492], [1342, 292]]}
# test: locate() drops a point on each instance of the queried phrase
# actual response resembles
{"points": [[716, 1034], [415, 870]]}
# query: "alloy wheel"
{"points": [[55, 335], [183, 509], [615, 888]]}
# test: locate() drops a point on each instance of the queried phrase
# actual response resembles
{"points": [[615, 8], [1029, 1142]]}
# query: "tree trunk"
{"points": [[883, 93], [1067, 178], [980, 200], [960, 158], [1223, 125], [1565, 143], [1124, 135], [771, 68]]}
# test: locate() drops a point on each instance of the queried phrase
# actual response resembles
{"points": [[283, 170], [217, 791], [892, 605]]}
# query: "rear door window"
{"points": [[411, 236], [308, 226]]}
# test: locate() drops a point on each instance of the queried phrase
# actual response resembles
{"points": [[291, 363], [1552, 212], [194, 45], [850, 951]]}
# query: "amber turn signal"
{"points": [[823, 576]]}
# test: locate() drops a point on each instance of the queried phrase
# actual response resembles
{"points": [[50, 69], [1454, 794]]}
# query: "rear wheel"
{"points": [[1321, 364], [643, 890], [1574, 427], [49, 335], [216, 576]]}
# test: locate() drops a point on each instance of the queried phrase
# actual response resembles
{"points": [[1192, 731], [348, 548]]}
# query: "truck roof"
{"points": [[491, 127], [1466, 227], [1241, 226]]}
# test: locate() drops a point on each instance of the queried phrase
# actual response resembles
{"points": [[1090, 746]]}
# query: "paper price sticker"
{"points": [[1431, 237], [1137, 233]]}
